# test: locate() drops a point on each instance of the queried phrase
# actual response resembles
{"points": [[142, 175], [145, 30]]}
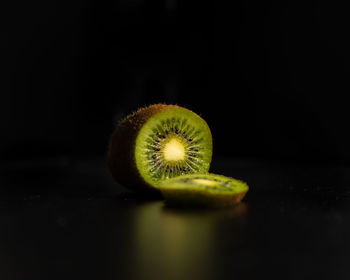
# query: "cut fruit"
{"points": [[203, 190], [157, 143]]}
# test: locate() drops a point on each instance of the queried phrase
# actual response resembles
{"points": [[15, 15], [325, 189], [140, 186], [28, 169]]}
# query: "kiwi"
{"points": [[158, 142], [209, 190]]}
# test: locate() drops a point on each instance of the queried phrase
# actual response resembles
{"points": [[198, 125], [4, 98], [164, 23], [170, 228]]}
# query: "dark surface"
{"points": [[67, 219]]}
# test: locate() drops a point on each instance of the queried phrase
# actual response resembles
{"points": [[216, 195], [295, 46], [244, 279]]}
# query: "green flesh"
{"points": [[205, 190], [196, 183], [188, 129]]}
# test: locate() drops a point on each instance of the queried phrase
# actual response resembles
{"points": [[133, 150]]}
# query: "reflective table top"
{"points": [[67, 219]]}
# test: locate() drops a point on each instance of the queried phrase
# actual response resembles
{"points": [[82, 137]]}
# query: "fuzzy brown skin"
{"points": [[121, 152], [186, 199]]}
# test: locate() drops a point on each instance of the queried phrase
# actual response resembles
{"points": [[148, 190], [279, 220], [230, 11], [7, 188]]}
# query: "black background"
{"points": [[270, 78]]}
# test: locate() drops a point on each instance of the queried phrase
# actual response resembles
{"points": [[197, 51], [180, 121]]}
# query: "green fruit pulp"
{"points": [[178, 134], [208, 183], [203, 190]]}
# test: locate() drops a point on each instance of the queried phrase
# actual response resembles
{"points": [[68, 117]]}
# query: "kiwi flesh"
{"points": [[158, 142], [208, 190]]}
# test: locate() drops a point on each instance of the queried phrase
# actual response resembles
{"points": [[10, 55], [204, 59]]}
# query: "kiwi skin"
{"points": [[184, 199], [121, 151]]}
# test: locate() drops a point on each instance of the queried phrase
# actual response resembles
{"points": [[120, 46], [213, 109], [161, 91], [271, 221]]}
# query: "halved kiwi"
{"points": [[159, 142], [203, 190]]}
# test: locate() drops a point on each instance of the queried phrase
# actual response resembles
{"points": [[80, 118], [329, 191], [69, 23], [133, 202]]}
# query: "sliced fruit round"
{"points": [[159, 142], [209, 190]]}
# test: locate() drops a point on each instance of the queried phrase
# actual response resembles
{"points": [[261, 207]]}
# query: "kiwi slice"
{"points": [[159, 142], [203, 190]]}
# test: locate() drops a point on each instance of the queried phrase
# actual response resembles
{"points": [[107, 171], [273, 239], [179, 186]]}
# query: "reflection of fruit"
{"points": [[203, 190], [156, 143], [179, 243], [170, 245]]}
